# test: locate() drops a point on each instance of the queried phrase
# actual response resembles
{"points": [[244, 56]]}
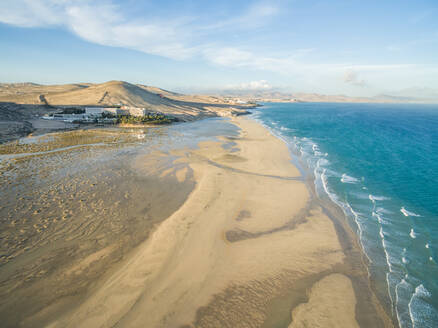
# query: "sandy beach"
{"points": [[248, 247]]}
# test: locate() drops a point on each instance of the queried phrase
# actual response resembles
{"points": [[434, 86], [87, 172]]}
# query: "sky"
{"points": [[351, 47]]}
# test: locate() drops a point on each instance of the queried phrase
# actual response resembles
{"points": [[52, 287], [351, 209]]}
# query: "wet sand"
{"points": [[250, 246], [72, 207]]}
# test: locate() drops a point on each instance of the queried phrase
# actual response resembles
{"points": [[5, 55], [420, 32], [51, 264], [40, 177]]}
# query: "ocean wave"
{"points": [[382, 210], [408, 213], [359, 194], [323, 162], [382, 237], [331, 195], [413, 234], [348, 179], [373, 198], [393, 252], [422, 313], [404, 259], [403, 292]]}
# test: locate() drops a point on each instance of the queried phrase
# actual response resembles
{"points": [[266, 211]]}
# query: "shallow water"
{"points": [[74, 203], [379, 163]]}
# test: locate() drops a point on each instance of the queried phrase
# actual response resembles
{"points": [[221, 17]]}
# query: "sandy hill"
{"points": [[115, 93], [183, 97], [277, 96]]}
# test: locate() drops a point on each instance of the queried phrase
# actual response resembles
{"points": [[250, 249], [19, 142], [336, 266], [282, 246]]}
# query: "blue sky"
{"points": [[351, 47]]}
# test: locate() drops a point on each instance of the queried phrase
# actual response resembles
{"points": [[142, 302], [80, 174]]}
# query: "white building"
{"points": [[94, 111], [98, 111], [136, 111], [69, 117]]}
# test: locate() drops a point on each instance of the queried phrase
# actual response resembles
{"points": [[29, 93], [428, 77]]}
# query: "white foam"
{"points": [[347, 206], [325, 186], [404, 260], [376, 215], [427, 246], [408, 213], [422, 314], [383, 210], [323, 161], [413, 234], [348, 179], [388, 262], [382, 237], [374, 198], [403, 287]]}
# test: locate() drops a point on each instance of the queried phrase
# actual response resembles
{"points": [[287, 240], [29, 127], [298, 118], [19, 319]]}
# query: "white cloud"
{"points": [[256, 15], [100, 22], [234, 57], [31, 13], [253, 85], [352, 78], [103, 22]]}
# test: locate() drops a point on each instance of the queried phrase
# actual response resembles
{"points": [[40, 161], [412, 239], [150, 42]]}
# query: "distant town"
{"points": [[108, 115]]}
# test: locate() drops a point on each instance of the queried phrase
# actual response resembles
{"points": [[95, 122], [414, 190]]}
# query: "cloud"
{"points": [[103, 22], [256, 15], [253, 85], [31, 13], [352, 78], [106, 23], [235, 57]]}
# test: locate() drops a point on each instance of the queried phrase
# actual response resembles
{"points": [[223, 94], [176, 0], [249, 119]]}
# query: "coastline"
{"points": [[234, 236], [239, 252], [347, 230]]}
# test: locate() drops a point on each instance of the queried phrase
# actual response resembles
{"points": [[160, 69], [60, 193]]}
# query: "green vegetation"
{"points": [[154, 118]]}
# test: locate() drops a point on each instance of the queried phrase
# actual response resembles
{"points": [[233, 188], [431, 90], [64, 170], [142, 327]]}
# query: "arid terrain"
{"points": [[22, 104], [285, 96]]}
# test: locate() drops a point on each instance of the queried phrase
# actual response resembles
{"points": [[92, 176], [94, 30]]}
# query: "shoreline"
{"points": [[356, 258], [234, 245], [348, 235], [249, 245]]}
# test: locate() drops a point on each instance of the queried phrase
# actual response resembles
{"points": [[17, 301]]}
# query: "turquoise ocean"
{"points": [[379, 164]]}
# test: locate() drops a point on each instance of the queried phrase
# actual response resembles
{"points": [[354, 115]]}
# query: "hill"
{"points": [[116, 93], [277, 96], [22, 104]]}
